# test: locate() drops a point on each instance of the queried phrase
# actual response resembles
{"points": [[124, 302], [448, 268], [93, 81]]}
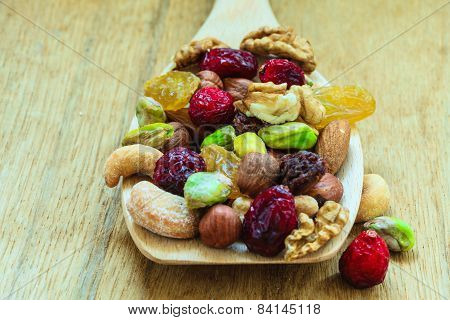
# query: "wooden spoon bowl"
{"points": [[229, 21]]}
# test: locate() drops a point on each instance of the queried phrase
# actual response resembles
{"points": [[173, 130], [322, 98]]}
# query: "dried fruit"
{"points": [[237, 87], [174, 168], [348, 102], [311, 236], [257, 172], [211, 106], [328, 188], [374, 198], [307, 205], [228, 62], [281, 71], [128, 160], [301, 171], [248, 142], [152, 135], [220, 227], [271, 103], [243, 124], [180, 137], [222, 137], [148, 111], [192, 52], [203, 189], [333, 144], [288, 136], [172, 90], [365, 262], [270, 219], [220, 160], [209, 79], [398, 235]]}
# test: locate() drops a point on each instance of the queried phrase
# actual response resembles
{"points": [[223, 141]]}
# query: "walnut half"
{"points": [[312, 235], [282, 42]]}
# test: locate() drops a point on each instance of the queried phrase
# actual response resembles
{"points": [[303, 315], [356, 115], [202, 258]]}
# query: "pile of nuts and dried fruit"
{"points": [[251, 155]]}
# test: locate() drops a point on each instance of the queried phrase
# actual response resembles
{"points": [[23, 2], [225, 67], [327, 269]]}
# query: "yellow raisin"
{"points": [[172, 90], [348, 102]]}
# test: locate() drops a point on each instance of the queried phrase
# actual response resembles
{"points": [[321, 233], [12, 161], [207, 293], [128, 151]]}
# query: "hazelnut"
{"points": [[237, 87], [180, 137], [307, 205], [329, 188], [241, 206], [209, 79], [374, 199], [257, 172], [220, 227]]}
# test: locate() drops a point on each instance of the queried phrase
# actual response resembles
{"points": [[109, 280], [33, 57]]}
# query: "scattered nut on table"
{"points": [[374, 199]]}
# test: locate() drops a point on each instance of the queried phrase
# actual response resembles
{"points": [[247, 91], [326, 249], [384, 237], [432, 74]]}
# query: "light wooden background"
{"points": [[68, 75]]}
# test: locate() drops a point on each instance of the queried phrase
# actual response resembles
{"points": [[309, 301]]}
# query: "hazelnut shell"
{"points": [[329, 188]]}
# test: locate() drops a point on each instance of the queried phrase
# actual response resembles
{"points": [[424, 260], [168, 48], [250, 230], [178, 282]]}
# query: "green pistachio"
{"points": [[152, 135], [291, 135], [248, 142], [222, 137], [148, 111], [397, 233], [203, 189]]}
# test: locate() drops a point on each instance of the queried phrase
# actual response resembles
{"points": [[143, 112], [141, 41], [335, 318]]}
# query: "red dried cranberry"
{"points": [[270, 219], [232, 63], [211, 106], [281, 71], [174, 167], [301, 171]]}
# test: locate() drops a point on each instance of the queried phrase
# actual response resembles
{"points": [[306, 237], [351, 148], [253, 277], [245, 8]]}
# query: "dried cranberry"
{"points": [[270, 219], [211, 106], [281, 71], [301, 171], [243, 124], [174, 167], [228, 62]]}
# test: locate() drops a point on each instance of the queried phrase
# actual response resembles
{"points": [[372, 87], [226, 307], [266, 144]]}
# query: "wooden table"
{"points": [[70, 72]]}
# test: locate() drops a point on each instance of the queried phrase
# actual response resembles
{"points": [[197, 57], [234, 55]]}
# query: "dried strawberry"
{"points": [[365, 262], [211, 106], [281, 71], [270, 219], [174, 168], [232, 63]]}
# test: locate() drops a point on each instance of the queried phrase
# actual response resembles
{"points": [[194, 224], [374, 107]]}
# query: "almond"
{"points": [[333, 144]]}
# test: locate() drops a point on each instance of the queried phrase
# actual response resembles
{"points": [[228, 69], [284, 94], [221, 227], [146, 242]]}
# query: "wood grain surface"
{"points": [[70, 72]]}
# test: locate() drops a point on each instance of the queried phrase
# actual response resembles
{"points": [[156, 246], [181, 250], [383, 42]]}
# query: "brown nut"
{"points": [[220, 227], [180, 137], [257, 172], [237, 87], [307, 205], [329, 188], [209, 79], [333, 143], [374, 199]]}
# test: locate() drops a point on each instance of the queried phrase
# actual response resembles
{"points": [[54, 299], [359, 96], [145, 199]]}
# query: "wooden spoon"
{"points": [[229, 21]]}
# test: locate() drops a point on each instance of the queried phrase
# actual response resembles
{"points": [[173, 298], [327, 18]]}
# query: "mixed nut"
{"points": [[256, 159]]}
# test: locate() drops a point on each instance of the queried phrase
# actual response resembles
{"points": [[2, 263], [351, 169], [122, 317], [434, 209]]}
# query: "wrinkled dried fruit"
{"points": [[243, 124], [281, 71], [172, 90], [222, 137], [211, 106], [174, 168], [248, 142], [223, 161], [152, 135], [348, 102], [270, 219], [398, 235], [301, 171], [148, 111], [291, 135], [228, 62], [203, 189]]}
